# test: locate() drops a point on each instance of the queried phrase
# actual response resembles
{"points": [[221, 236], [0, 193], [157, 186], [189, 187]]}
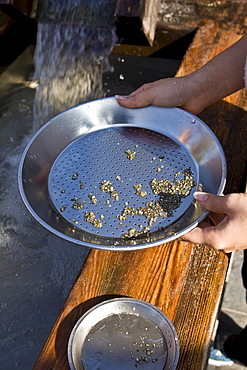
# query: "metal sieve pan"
{"points": [[108, 177], [123, 333]]}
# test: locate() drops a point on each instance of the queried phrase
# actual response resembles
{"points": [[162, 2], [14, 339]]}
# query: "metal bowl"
{"points": [[67, 162], [123, 333]]}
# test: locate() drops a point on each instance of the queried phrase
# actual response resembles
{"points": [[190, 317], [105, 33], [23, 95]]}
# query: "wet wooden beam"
{"points": [[137, 20], [16, 9], [192, 12], [184, 280]]}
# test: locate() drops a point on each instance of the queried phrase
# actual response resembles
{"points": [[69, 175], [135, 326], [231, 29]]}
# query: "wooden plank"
{"points": [[157, 275], [163, 38], [129, 8], [16, 9], [182, 279], [191, 12], [221, 115], [5, 22], [137, 17], [226, 118], [149, 20]]}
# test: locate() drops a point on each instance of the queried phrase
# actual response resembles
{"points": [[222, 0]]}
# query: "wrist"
{"points": [[196, 98], [204, 89]]}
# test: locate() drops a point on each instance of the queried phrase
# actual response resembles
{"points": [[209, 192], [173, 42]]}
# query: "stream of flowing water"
{"points": [[74, 41]]}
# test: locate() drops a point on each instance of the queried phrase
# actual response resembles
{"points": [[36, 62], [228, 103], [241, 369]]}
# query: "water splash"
{"points": [[74, 41]]}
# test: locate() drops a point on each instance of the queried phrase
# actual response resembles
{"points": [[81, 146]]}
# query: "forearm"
{"points": [[220, 77]]}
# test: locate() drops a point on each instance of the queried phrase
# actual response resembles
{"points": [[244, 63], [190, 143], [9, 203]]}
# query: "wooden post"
{"points": [[137, 18]]}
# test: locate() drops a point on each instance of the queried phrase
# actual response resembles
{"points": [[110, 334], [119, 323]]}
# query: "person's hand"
{"points": [[229, 214], [197, 90], [168, 92]]}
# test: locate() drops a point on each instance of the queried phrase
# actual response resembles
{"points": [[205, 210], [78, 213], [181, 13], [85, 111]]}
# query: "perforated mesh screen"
{"points": [[125, 159]]}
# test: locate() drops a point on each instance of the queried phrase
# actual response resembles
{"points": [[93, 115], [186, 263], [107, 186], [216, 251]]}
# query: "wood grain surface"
{"points": [[184, 280]]}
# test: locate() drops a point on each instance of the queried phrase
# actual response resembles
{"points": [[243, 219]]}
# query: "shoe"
{"points": [[218, 358], [235, 348]]}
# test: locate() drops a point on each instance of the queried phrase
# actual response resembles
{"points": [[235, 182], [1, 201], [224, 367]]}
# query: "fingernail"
{"points": [[121, 97], [201, 196]]}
